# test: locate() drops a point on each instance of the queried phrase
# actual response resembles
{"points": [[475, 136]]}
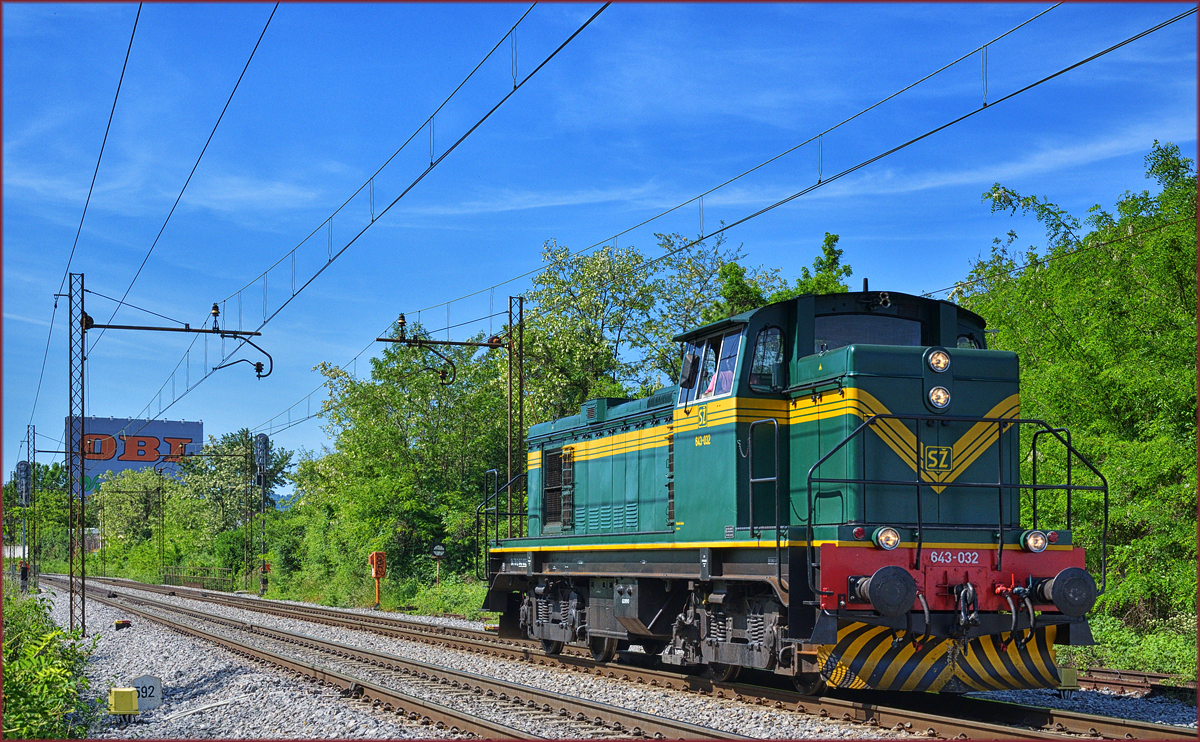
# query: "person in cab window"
{"points": [[729, 352], [708, 371]]}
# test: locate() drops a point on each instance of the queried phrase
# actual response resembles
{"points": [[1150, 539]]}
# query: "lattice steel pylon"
{"points": [[516, 364], [76, 523], [33, 553]]}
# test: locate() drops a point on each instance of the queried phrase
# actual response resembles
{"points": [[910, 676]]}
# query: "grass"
{"points": [[1168, 646], [457, 594]]}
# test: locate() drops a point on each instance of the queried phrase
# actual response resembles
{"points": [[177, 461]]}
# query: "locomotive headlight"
{"points": [[939, 397], [939, 360], [886, 538], [1034, 541]]}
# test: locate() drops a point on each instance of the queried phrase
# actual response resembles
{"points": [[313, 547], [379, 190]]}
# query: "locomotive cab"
{"points": [[833, 491]]}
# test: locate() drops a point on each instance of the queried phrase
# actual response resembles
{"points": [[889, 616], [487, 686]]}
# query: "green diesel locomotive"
{"points": [[832, 492]]}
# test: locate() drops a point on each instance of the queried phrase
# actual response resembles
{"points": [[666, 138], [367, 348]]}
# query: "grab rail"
{"points": [[483, 511], [1001, 424], [773, 479]]}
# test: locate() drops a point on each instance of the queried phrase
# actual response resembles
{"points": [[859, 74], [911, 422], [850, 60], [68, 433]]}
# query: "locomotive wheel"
{"points": [[603, 648], [722, 673], [551, 647], [809, 684], [652, 647]]}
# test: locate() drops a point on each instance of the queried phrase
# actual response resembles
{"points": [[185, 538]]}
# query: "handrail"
{"points": [[483, 510], [1035, 463], [774, 479], [1002, 424]]}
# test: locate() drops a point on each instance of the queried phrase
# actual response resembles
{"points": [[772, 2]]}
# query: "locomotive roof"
{"points": [[860, 299]]}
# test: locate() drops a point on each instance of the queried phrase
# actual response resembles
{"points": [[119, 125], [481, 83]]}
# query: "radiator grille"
{"points": [[552, 489]]}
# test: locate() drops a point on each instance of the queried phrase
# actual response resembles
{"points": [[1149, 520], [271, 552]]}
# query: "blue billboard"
{"points": [[116, 444]]}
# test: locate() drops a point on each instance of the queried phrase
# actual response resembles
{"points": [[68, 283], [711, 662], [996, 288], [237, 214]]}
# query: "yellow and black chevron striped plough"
{"points": [[868, 656]]}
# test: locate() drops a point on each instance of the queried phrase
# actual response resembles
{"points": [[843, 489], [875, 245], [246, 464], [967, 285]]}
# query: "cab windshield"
{"points": [[838, 330]]}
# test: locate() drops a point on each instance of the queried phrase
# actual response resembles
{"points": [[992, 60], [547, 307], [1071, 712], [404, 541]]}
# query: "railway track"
{"points": [[1134, 683], [358, 671], [929, 715]]}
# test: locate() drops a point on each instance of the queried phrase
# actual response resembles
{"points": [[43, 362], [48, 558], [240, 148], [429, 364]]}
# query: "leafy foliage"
{"points": [[741, 293], [1104, 323], [1167, 646], [44, 680], [683, 287]]}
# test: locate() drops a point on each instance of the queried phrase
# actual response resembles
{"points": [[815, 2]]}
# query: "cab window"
{"points": [[768, 351], [838, 330], [708, 368], [725, 351], [687, 394], [718, 361]]}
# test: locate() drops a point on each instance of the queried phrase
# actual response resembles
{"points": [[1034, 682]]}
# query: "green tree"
{"points": [[741, 292], [405, 469], [129, 503], [586, 314], [685, 284], [222, 476], [44, 672], [1104, 322]]}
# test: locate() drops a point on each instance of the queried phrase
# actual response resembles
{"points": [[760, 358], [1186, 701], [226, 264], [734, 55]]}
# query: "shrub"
{"points": [[44, 681], [1168, 646]]}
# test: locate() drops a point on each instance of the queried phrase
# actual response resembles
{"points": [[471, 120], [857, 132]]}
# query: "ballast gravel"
{"points": [[298, 715], [209, 692], [1157, 709]]}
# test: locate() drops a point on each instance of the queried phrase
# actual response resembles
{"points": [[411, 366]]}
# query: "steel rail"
{"points": [[412, 707], [620, 720], [1047, 719], [1125, 681], [393, 626], [911, 711]]}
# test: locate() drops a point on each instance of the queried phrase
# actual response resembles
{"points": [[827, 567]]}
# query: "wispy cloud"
{"points": [[882, 180], [1051, 158], [514, 200], [18, 318], [228, 193]]}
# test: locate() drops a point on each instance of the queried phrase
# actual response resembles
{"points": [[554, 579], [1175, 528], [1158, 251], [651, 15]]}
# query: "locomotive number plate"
{"points": [[938, 458], [954, 557]]}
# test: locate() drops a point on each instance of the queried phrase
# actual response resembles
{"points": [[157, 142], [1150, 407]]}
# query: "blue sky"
{"points": [[648, 107]]}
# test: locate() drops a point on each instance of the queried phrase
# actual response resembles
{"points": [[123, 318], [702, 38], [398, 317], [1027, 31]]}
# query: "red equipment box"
{"points": [[378, 562]]}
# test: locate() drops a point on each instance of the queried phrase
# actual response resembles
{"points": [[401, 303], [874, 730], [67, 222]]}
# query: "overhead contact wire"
{"points": [[190, 174], [893, 150], [241, 342], [87, 201], [764, 163], [386, 162], [700, 197]]}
